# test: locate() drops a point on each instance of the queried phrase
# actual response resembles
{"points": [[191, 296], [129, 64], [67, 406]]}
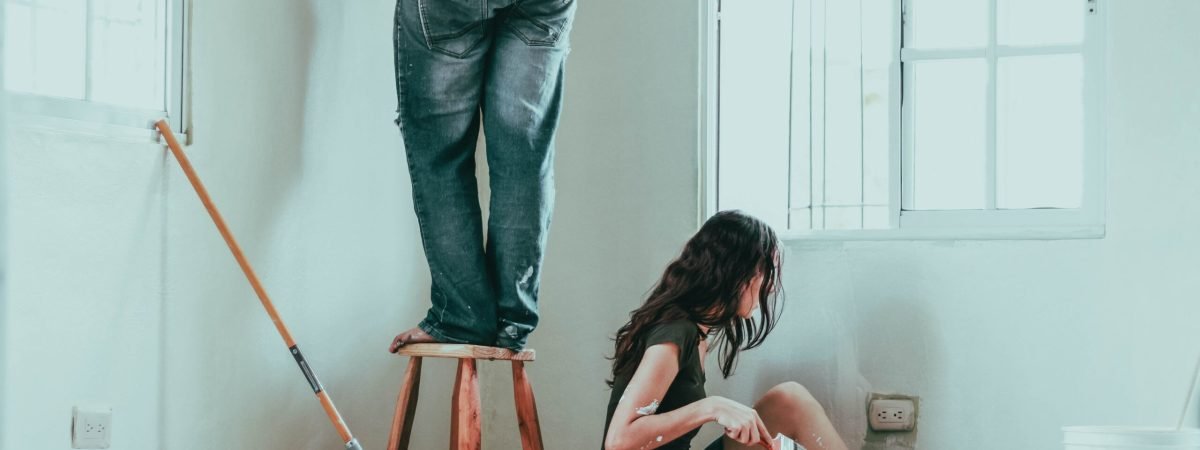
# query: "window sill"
{"points": [[950, 234], [82, 118], [108, 132]]}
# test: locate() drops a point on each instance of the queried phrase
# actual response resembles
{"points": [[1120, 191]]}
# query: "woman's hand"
{"points": [[741, 422]]}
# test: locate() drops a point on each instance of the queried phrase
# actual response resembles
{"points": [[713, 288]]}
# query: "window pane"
{"points": [[1039, 151], [59, 44], [801, 219], [1040, 22], [843, 152], [752, 158], [876, 217], [843, 217], [947, 23], [802, 82], [947, 126], [845, 119], [877, 59], [127, 53], [18, 47]]}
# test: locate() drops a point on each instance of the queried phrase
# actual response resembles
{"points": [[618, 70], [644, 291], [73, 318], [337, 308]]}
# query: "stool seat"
{"points": [[462, 351], [465, 425]]}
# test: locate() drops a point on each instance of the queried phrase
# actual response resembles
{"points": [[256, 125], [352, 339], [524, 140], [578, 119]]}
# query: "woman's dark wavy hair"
{"points": [[704, 285]]}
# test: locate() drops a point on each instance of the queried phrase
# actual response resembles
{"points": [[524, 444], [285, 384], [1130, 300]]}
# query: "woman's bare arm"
{"points": [[634, 423]]}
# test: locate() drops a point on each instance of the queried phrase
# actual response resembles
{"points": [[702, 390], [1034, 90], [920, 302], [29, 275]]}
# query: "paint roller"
{"points": [[322, 395]]}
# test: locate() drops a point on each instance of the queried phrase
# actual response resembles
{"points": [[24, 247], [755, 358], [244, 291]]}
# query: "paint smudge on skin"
{"points": [[819, 444], [643, 447], [648, 409]]}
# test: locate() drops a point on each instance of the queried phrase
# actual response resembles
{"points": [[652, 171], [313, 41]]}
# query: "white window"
{"points": [[921, 118], [113, 63]]}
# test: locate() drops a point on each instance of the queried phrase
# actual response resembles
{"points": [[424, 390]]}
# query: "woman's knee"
{"points": [[794, 396]]}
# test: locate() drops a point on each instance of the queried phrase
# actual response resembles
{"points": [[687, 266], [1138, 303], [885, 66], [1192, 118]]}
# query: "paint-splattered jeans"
{"points": [[461, 64]]}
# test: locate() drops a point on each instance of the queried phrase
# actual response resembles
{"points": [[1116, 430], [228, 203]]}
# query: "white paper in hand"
{"points": [[786, 443]]}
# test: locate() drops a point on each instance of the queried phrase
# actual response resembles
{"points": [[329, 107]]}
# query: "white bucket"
{"points": [[1130, 438]]}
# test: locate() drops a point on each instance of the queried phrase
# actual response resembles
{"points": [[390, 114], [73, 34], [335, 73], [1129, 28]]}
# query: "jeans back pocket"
{"points": [[453, 27], [542, 22]]}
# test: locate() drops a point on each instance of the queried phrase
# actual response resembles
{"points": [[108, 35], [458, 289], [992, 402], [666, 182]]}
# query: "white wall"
{"points": [[84, 292], [293, 103], [3, 232], [117, 273], [1006, 341]]}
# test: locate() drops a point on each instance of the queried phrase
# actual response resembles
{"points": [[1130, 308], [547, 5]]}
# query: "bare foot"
{"points": [[415, 335]]}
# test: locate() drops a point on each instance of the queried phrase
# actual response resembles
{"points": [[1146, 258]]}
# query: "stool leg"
{"points": [[465, 430], [527, 416], [406, 406]]}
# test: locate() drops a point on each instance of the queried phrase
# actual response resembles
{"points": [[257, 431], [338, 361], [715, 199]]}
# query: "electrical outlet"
{"points": [[892, 414], [91, 427]]}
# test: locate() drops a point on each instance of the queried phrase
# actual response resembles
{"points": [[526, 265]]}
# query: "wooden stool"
{"points": [[465, 430]]}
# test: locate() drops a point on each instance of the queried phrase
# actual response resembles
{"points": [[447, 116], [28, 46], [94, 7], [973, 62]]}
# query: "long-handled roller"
{"points": [[330, 410]]}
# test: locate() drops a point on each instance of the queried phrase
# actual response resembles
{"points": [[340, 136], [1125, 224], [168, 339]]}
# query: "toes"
{"points": [[398, 342], [413, 336]]}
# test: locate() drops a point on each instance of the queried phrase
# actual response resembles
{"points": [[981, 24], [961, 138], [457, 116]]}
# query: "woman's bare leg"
{"points": [[790, 409]]}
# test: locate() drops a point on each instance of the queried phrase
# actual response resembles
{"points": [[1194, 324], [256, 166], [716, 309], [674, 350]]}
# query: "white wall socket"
{"points": [[892, 415], [91, 427]]}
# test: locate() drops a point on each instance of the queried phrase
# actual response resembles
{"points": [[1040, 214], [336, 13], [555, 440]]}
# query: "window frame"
{"points": [[116, 121], [1086, 222]]}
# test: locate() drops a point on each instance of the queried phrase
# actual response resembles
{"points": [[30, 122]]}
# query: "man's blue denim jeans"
{"points": [[461, 64]]}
